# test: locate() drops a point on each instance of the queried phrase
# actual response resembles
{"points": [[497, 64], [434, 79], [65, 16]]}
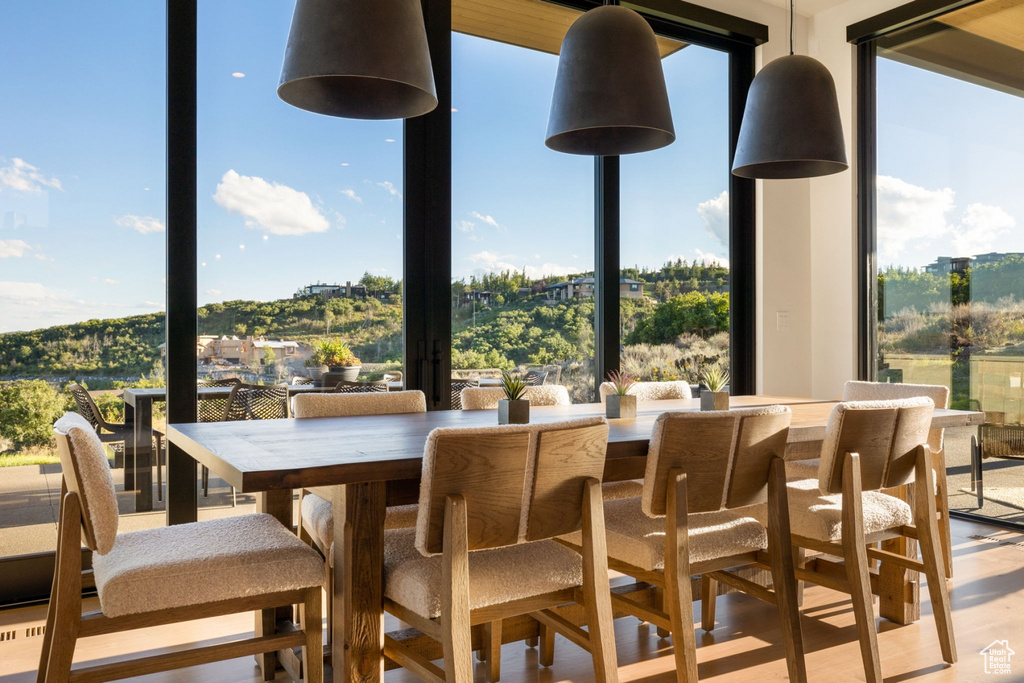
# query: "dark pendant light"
{"points": [[359, 59], [791, 126], [610, 96]]}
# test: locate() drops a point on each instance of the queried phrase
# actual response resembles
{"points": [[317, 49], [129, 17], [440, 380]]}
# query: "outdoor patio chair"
{"points": [[457, 385], [705, 473], [212, 410], [299, 380], [344, 387], [167, 575], [535, 378], [492, 500], [113, 434]]}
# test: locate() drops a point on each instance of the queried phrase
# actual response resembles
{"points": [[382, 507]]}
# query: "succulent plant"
{"points": [[715, 378], [621, 381], [514, 385]]}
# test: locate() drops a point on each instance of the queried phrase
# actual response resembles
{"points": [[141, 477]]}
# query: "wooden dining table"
{"points": [[374, 462]]}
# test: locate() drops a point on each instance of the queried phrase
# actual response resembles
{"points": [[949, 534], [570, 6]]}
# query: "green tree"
{"points": [[28, 409]]}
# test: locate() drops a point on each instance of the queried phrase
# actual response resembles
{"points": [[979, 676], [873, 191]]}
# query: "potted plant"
{"points": [[513, 409], [620, 403], [342, 363], [714, 395], [317, 362]]}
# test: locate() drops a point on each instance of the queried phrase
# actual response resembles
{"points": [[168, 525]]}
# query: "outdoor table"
{"points": [[375, 461], [138, 411]]}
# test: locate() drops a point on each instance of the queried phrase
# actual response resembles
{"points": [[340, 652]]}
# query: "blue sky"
{"points": [[287, 197]]}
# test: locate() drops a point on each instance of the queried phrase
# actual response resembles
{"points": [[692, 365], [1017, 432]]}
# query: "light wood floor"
{"points": [[988, 605]]}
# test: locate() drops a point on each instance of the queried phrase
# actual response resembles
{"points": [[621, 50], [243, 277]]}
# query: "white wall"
{"points": [[807, 229]]}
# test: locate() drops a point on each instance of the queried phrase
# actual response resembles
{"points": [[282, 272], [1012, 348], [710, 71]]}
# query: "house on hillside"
{"points": [[482, 297], [336, 291], [583, 287], [241, 351]]}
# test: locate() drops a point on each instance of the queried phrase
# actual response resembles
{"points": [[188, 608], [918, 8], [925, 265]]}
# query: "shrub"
{"points": [[28, 409]]}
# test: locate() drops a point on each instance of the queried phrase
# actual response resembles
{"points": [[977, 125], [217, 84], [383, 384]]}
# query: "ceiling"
{"points": [[808, 8], [998, 20]]}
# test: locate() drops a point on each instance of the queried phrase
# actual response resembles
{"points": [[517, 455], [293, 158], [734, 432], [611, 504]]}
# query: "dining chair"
{"points": [[252, 402], [880, 391], [344, 387], [299, 380], [166, 575], [870, 446], [486, 398], [457, 385], [212, 410], [491, 502], [113, 434], [650, 391], [704, 472], [316, 513], [535, 378]]}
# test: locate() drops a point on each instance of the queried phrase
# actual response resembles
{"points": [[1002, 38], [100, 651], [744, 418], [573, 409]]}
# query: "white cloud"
{"points": [[493, 262], [980, 227], [142, 224], [710, 258], [392, 190], [40, 256], [213, 292], [24, 177], [489, 220], [32, 305], [110, 281], [715, 214], [13, 248], [351, 194], [909, 213], [466, 226], [271, 207]]}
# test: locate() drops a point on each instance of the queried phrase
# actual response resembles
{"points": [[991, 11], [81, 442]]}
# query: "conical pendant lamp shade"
{"points": [[791, 126], [360, 59], [610, 96]]}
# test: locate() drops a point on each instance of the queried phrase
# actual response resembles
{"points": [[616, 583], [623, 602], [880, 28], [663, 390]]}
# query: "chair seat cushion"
{"points": [[202, 562], [816, 515], [318, 518], [615, 490], [639, 540], [495, 576]]}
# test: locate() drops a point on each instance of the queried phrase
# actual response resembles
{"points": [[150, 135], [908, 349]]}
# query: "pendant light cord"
{"points": [[791, 27]]}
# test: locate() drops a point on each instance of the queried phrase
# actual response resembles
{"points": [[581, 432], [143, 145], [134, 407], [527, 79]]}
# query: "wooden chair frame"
{"points": [[858, 580], [66, 623], [453, 628]]}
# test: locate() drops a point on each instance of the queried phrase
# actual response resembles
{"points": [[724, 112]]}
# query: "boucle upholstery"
{"points": [[318, 519], [639, 540], [203, 562], [347, 405], [808, 469], [495, 576], [880, 391], [650, 391], [486, 398], [886, 452], [820, 516], [616, 490], [95, 483], [429, 458]]}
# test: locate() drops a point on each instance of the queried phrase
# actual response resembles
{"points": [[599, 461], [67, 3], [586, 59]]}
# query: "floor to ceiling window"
{"points": [[299, 222], [950, 234], [674, 241], [522, 214], [82, 192]]}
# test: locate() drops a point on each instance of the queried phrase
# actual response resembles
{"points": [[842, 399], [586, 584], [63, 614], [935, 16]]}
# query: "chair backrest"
{"points": [[344, 387], [347, 405], [300, 380], [457, 386], [506, 472], [650, 391], [885, 391], [535, 378], [393, 376], [86, 406], [726, 456], [486, 398], [257, 402], [885, 434], [213, 409], [87, 473]]}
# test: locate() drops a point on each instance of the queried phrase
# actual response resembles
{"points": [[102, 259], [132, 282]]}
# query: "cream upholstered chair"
{"points": [[704, 471], [486, 398], [167, 575], [882, 391], [491, 500], [870, 446], [316, 518], [650, 391]]}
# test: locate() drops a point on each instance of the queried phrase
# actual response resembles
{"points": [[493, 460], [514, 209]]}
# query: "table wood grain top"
{"points": [[264, 455]]}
